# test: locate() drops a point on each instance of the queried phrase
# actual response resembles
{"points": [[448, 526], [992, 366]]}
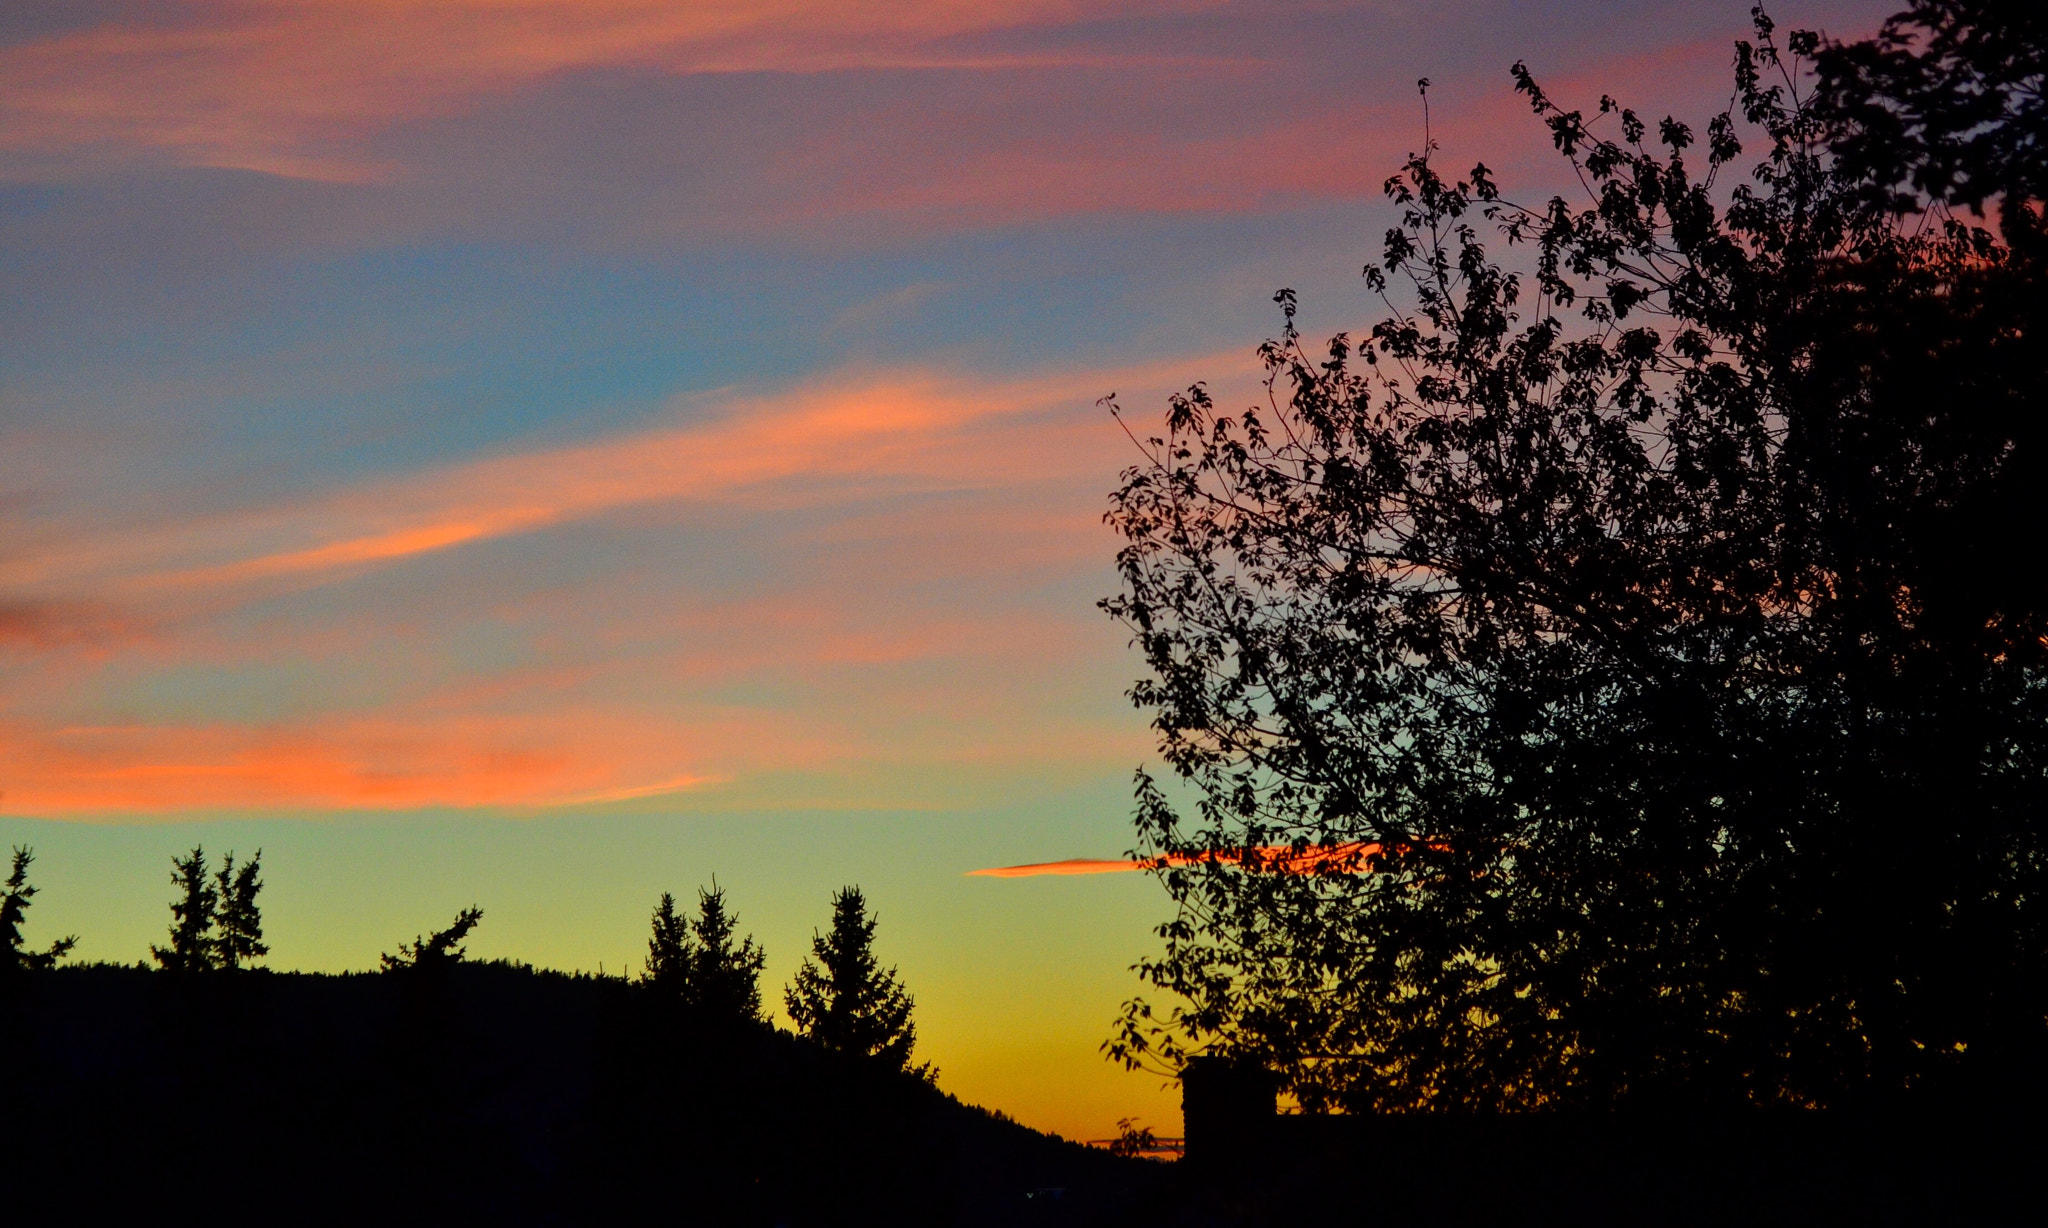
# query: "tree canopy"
{"points": [[1949, 102], [1618, 674]]}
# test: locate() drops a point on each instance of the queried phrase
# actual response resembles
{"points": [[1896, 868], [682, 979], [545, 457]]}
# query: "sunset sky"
{"points": [[541, 453]]}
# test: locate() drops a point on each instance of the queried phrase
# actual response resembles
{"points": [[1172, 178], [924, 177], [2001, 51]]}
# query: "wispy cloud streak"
{"points": [[1276, 858], [586, 725], [1072, 865], [392, 761], [282, 85], [842, 439]]}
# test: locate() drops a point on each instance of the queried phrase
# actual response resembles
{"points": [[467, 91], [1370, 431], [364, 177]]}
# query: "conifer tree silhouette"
{"points": [[15, 955], [438, 951], [845, 1000], [193, 944], [669, 949], [237, 919], [725, 970]]}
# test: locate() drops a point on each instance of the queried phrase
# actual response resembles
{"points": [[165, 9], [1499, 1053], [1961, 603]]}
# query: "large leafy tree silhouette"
{"points": [[1642, 620]]}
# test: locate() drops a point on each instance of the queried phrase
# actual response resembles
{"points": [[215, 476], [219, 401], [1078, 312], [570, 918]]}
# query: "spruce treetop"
{"points": [[15, 953], [216, 924], [724, 969], [843, 998], [669, 948], [192, 941], [237, 920]]}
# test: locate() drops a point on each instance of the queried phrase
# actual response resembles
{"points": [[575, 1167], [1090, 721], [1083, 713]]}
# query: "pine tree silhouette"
{"points": [[437, 951], [238, 921], [669, 949], [845, 1000], [15, 955], [725, 971], [193, 945]]}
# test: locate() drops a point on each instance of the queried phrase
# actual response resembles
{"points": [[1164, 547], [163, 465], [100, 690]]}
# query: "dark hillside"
{"points": [[499, 1094], [487, 1093]]}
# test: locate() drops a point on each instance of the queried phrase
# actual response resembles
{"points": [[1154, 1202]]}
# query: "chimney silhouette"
{"points": [[1227, 1109]]}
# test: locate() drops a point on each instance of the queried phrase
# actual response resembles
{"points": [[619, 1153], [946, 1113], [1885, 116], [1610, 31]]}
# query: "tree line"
{"points": [[841, 998]]}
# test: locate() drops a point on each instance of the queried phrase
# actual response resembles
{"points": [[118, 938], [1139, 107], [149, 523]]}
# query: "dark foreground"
{"points": [[487, 1094], [1918, 1164], [494, 1094]]}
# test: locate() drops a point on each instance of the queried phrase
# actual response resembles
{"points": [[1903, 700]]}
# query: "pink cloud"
{"points": [[843, 439], [283, 86], [385, 762], [44, 625], [630, 687], [1011, 110]]}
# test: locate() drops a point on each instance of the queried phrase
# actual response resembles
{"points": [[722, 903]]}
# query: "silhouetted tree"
{"points": [[1132, 1140], [1948, 103], [1611, 678], [438, 950], [237, 919], [725, 969], [844, 999], [193, 946], [215, 921], [669, 949], [15, 953]]}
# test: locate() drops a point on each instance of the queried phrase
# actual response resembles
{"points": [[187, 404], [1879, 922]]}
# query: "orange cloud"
{"points": [[838, 440], [641, 686], [50, 624], [273, 85], [383, 763]]}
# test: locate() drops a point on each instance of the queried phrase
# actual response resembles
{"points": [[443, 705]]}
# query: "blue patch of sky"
{"points": [[267, 371]]}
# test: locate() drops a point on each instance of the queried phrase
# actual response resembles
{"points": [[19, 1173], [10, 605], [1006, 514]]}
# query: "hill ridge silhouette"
{"points": [[489, 1092]]}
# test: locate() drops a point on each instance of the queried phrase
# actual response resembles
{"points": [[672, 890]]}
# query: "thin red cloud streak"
{"points": [[1073, 865], [1353, 855]]}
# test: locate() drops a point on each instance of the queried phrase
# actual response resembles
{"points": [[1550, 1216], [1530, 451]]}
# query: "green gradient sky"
{"points": [[1016, 980]]}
